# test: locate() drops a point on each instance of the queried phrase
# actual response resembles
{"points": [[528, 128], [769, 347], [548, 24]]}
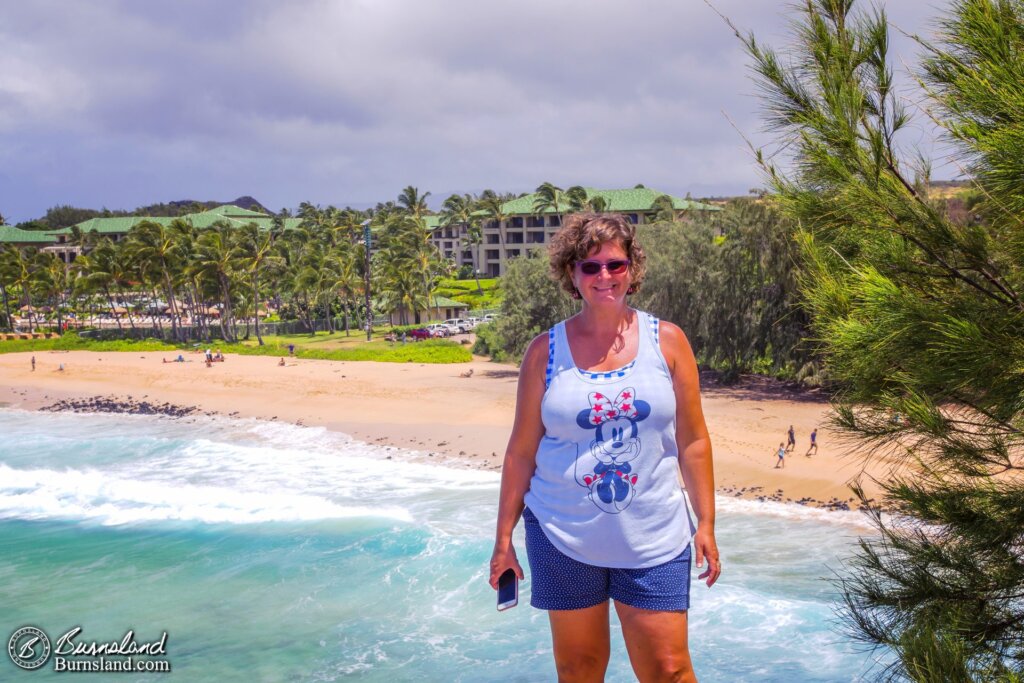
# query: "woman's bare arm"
{"points": [[520, 456], [694, 445]]}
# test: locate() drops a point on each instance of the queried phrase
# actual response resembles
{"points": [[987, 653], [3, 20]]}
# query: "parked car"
{"points": [[458, 324], [491, 317], [418, 334], [439, 330], [473, 322]]}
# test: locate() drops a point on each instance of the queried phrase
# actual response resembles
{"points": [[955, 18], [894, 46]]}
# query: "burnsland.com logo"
{"points": [[30, 648]]}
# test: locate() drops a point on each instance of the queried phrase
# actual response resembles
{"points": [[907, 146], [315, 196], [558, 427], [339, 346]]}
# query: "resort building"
{"points": [[116, 228], [24, 238], [524, 228]]}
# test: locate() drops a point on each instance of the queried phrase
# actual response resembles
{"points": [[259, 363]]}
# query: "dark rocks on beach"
{"points": [[833, 504], [126, 406]]}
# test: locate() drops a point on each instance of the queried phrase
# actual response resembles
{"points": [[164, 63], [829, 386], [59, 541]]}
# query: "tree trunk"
{"points": [[7, 308], [117, 316], [256, 307], [156, 318], [227, 315], [60, 319], [131, 321], [173, 305]]}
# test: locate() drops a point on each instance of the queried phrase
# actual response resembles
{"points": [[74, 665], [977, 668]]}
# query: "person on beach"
{"points": [[33, 363], [814, 442], [791, 439], [280, 363], [781, 462], [608, 414]]}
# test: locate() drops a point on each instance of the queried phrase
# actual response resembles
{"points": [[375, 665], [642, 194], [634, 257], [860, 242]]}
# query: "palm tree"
{"points": [[214, 259], [493, 205], [550, 198], [23, 273], [8, 276], [460, 210], [576, 196], [52, 280], [95, 271], [154, 244], [412, 201], [253, 251]]}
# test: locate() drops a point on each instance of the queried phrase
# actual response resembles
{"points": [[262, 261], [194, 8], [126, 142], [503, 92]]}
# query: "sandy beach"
{"points": [[434, 410]]}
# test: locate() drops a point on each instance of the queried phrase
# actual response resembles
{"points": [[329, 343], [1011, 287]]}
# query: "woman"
{"points": [[607, 414]]}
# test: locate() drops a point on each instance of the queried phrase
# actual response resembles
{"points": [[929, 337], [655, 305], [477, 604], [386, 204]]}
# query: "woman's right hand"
{"points": [[501, 559]]}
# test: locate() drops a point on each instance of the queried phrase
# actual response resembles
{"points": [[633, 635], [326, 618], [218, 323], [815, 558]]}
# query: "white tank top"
{"points": [[606, 487]]}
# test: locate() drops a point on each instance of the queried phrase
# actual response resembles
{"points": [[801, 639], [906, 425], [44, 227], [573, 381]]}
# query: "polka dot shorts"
{"points": [[560, 582]]}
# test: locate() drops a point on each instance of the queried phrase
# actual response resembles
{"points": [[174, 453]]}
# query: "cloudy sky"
{"points": [[121, 104]]}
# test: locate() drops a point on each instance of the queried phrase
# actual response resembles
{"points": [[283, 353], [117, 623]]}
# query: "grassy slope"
{"points": [[325, 347]]}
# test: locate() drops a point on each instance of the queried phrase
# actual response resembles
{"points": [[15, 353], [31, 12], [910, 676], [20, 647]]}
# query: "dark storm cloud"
{"points": [[125, 103]]}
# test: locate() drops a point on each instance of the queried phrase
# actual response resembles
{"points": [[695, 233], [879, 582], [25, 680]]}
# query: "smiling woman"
{"points": [[613, 391]]}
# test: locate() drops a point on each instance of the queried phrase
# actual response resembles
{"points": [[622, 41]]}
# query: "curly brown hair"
{"points": [[582, 233]]}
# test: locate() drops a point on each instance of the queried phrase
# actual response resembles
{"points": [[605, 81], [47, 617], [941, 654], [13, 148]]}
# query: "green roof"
{"points": [[12, 235], [633, 200], [445, 302], [227, 212], [232, 211], [110, 225]]}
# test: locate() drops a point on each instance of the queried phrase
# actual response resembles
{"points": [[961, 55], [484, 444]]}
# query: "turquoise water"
{"points": [[270, 552]]}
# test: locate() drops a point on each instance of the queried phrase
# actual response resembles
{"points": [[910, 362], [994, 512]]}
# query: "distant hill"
{"points": [[183, 206], [63, 216]]}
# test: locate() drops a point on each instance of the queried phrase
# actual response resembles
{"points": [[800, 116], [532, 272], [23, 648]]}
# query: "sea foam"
{"points": [[111, 500]]}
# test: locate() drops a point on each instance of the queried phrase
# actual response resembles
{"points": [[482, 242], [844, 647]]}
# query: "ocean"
{"points": [[273, 552]]}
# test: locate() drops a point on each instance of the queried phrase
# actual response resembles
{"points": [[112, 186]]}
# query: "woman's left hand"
{"points": [[706, 549]]}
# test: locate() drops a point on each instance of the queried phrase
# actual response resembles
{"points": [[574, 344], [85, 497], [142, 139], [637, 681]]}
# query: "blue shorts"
{"points": [[559, 582]]}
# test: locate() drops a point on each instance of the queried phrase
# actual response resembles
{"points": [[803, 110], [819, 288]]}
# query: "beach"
{"points": [[432, 413]]}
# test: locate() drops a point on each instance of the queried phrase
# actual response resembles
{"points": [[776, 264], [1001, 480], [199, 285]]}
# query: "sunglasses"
{"points": [[615, 267]]}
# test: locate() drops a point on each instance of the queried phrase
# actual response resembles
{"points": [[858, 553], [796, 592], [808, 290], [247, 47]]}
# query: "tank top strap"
{"points": [[559, 357], [648, 328], [650, 335]]}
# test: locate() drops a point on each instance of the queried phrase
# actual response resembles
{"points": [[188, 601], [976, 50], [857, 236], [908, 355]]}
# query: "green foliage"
{"points": [[533, 303], [73, 342], [489, 295], [489, 343], [430, 351], [728, 280], [920, 319]]}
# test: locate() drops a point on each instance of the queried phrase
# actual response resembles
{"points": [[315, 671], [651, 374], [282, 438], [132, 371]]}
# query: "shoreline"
{"points": [[434, 410]]}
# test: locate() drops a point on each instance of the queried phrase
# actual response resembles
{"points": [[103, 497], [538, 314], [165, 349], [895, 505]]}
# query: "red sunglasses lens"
{"points": [[616, 267]]}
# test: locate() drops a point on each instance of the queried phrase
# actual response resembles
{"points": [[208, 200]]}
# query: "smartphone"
{"points": [[508, 590]]}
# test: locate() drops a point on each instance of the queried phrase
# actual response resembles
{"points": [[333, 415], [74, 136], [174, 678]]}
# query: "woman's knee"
{"points": [[675, 668], [581, 666]]}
